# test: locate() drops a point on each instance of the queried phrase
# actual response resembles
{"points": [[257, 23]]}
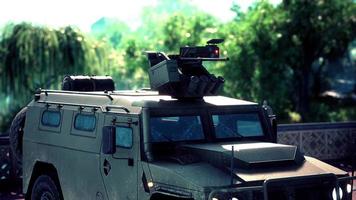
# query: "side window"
{"points": [[124, 137], [51, 118], [85, 122]]}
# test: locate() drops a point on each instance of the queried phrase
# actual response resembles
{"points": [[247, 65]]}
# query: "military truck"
{"points": [[177, 140]]}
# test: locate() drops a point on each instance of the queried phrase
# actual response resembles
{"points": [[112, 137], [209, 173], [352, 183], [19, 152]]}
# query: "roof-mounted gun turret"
{"points": [[183, 75]]}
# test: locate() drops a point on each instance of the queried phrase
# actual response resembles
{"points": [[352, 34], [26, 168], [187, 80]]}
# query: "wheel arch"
{"points": [[43, 168]]}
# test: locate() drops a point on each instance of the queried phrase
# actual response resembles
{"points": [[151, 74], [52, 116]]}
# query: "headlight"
{"points": [[150, 184], [348, 188], [233, 198], [334, 195]]}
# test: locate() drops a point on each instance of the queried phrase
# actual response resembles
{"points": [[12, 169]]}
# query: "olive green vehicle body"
{"points": [[84, 171]]}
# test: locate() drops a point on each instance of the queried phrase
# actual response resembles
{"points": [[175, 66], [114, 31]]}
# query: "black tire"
{"points": [[45, 188], [16, 135]]}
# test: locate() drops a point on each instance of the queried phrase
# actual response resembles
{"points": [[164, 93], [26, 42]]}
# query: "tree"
{"points": [[181, 29], [34, 57], [314, 30], [275, 48], [255, 71], [111, 30]]}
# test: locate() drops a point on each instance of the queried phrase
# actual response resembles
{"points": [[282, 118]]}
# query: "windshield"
{"points": [[237, 125], [176, 128]]}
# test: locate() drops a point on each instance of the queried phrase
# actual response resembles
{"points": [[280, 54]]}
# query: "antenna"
{"points": [[232, 164]]}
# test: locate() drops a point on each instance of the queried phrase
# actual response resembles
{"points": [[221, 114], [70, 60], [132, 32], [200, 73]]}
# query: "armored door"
{"points": [[119, 170]]}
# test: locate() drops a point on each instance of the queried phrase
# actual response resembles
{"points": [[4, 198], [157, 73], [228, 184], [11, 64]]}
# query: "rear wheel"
{"points": [[45, 188], [16, 135]]}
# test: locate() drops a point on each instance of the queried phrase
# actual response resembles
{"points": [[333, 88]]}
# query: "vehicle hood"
{"points": [[213, 166], [247, 155]]}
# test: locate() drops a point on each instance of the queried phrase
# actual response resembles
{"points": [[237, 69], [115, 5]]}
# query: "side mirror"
{"points": [[108, 140], [272, 119]]}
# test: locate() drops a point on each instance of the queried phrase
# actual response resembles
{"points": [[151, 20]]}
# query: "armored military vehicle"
{"points": [[177, 140]]}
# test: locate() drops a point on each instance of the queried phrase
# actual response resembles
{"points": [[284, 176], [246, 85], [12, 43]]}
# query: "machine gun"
{"points": [[183, 75]]}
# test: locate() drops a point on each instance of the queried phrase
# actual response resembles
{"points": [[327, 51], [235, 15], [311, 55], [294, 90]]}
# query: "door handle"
{"points": [[130, 162]]}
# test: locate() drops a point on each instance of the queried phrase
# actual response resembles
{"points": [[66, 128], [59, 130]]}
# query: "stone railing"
{"points": [[325, 141]]}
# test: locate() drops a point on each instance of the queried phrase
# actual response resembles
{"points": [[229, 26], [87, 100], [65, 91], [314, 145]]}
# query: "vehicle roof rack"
{"points": [[106, 94], [104, 108]]}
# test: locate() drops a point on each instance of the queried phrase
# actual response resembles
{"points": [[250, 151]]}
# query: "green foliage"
{"points": [[256, 71], [38, 57], [313, 30], [154, 18], [128, 63], [273, 50], [333, 113], [110, 30], [181, 30], [136, 64]]}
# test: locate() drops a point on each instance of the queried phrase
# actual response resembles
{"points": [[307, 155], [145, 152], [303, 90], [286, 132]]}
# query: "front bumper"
{"points": [[292, 188]]}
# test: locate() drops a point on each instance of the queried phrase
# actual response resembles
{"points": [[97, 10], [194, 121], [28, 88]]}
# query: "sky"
{"points": [[83, 13]]}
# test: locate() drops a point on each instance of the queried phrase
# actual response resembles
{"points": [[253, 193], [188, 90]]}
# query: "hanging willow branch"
{"points": [[33, 56]]}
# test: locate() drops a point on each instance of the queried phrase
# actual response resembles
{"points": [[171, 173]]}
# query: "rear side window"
{"points": [[85, 122], [51, 118], [124, 137]]}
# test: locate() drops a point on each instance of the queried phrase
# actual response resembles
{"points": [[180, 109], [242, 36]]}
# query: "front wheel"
{"points": [[45, 188]]}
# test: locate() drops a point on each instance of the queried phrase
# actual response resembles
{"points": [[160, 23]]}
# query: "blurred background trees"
{"points": [[298, 55], [38, 57], [284, 48]]}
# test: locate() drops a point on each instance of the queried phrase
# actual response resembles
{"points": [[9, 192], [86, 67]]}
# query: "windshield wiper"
{"points": [[164, 136], [229, 131]]}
